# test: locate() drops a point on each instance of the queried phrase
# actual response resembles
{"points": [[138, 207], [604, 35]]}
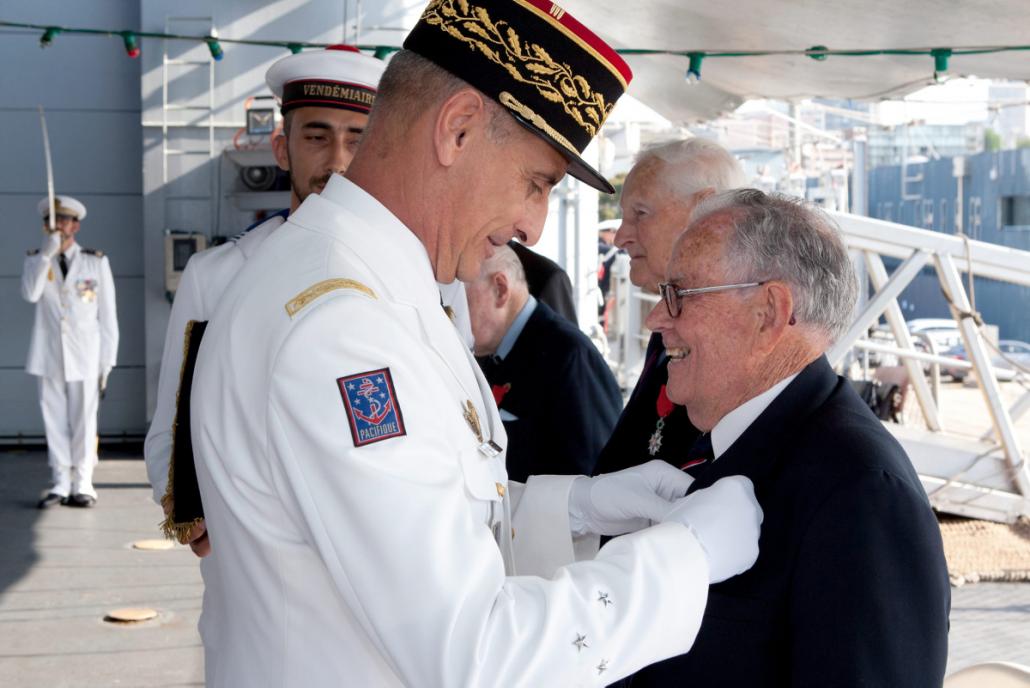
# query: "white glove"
{"points": [[104, 373], [51, 244], [726, 519], [625, 501]]}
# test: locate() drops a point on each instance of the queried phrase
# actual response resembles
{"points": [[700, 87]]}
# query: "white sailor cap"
{"points": [[63, 205], [339, 76]]}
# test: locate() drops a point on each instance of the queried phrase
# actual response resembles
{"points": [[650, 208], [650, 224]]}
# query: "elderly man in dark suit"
{"points": [[660, 194], [850, 587], [557, 398]]}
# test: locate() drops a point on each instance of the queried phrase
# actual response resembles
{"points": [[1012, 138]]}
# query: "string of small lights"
{"points": [[695, 58]]}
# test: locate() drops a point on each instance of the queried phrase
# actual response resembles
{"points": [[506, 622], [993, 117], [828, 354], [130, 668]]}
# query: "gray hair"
{"points": [[507, 261], [700, 164], [777, 237], [411, 84]]}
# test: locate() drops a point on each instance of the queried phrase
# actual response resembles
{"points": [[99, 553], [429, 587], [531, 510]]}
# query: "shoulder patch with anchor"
{"points": [[298, 302], [373, 411]]}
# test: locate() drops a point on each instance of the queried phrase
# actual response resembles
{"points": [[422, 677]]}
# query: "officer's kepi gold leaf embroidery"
{"points": [[528, 63]]}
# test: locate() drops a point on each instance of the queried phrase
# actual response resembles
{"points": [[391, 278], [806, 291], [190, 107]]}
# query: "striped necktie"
{"points": [[699, 456]]}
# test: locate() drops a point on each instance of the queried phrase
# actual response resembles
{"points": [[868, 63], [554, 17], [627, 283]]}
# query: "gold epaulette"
{"points": [[32, 252], [94, 252], [298, 302]]}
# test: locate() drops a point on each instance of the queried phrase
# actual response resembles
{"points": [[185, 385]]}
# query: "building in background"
{"points": [[986, 196]]}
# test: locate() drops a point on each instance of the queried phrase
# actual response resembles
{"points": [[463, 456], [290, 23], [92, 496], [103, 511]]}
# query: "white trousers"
{"points": [[70, 417]]}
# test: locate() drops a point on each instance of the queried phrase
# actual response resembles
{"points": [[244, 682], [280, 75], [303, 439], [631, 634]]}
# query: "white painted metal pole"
{"points": [[896, 320], [884, 296], [977, 351]]}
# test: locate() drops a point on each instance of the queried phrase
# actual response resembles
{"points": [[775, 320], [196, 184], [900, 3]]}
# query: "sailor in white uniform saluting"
{"points": [[73, 347], [348, 450]]}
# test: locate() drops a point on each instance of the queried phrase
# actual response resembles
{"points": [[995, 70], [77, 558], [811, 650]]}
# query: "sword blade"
{"points": [[49, 171]]}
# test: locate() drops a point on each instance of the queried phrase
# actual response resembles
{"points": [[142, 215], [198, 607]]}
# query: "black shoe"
{"points": [[50, 500], [82, 500]]}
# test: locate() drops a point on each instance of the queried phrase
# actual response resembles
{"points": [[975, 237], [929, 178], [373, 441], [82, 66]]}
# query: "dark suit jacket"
{"points": [[547, 281], [628, 445], [564, 396], [850, 587]]}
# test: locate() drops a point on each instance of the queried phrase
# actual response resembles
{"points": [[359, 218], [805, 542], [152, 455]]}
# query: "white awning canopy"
{"points": [[759, 25]]}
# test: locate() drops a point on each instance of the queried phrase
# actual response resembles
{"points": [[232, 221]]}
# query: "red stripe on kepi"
{"points": [[588, 36], [691, 464], [342, 104]]}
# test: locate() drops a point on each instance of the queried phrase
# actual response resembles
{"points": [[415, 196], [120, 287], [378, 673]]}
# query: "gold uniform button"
{"points": [[500, 489]]}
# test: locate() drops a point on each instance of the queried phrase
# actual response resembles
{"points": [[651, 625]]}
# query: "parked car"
{"points": [[1015, 351], [942, 331], [881, 334]]}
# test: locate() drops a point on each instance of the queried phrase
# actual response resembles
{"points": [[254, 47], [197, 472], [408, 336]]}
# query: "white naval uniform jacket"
{"points": [[203, 282], [377, 565], [205, 279], [75, 332]]}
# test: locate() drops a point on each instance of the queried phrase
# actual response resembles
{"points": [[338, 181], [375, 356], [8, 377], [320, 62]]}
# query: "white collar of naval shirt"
{"points": [[734, 423], [392, 249]]}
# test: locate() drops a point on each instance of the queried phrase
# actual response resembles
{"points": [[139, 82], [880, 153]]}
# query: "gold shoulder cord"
{"points": [[298, 302]]}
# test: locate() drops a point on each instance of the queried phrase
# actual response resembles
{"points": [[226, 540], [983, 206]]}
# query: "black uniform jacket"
{"points": [[850, 587], [563, 395], [548, 283]]}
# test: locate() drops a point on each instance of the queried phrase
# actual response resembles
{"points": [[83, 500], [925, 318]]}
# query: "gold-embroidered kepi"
{"points": [[553, 75]]}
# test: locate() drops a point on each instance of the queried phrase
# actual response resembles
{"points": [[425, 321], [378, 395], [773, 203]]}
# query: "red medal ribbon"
{"points": [[664, 405], [499, 392]]}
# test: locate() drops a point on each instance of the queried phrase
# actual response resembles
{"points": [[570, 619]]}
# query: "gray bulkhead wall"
{"points": [[90, 91]]}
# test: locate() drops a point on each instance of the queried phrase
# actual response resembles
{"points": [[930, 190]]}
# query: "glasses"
{"points": [[673, 295]]}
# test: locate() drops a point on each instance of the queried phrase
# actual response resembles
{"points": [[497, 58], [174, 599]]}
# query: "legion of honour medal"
{"points": [[664, 407]]}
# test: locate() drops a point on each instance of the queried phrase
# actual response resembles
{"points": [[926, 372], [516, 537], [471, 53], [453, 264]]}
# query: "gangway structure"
{"points": [[982, 477]]}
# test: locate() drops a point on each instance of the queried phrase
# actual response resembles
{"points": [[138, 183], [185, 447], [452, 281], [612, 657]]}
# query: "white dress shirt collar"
{"points": [[517, 325], [734, 423]]}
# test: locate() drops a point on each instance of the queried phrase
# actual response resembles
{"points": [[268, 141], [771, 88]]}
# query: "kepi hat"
{"points": [[63, 205], [552, 74], [338, 77]]}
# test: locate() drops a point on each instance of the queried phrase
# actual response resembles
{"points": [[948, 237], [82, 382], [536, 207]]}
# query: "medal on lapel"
{"points": [[664, 406], [487, 448]]}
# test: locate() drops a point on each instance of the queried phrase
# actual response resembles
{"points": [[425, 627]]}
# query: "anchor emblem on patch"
{"points": [[373, 411]]}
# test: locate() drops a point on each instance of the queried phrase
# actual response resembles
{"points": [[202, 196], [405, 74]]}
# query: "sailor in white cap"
{"points": [[73, 347], [325, 97]]}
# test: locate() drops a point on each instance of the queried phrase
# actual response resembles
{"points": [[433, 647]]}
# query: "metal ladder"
{"points": [[176, 68]]}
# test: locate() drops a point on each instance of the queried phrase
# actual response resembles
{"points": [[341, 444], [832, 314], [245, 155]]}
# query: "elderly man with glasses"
{"points": [[661, 192], [850, 587]]}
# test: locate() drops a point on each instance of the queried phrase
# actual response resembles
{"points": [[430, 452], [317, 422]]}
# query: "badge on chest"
{"points": [[372, 407], [86, 289]]}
